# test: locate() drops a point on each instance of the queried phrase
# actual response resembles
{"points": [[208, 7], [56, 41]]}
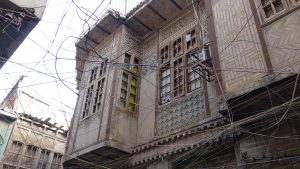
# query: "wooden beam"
{"points": [[92, 40], [140, 22], [103, 30], [79, 47], [156, 12], [261, 37], [176, 4], [214, 45]]}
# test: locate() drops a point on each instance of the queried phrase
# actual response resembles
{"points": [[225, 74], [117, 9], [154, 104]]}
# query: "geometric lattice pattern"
{"points": [[181, 113], [284, 34]]}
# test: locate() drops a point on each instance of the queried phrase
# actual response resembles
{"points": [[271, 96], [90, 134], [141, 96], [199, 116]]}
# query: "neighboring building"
{"points": [[159, 91], [17, 20], [6, 126], [36, 139]]}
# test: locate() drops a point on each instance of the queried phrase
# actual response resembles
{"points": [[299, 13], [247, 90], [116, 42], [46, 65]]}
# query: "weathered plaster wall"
{"points": [[95, 126], [146, 117], [39, 137], [29, 133], [124, 123]]}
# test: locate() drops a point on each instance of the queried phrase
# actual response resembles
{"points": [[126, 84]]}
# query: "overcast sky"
{"points": [[33, 51]]}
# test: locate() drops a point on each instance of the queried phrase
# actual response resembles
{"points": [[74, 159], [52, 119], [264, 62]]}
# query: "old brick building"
{"points": [[35, 139], [189, 84]]}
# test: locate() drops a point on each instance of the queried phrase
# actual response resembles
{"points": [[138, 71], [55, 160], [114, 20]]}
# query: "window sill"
{"points": [[279, 16], [84, 119]]}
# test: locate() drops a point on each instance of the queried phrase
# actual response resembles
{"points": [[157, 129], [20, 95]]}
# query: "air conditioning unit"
{"points": [[205, 53]]}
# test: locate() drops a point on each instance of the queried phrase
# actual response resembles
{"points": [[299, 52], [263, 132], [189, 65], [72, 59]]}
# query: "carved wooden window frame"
{"points": [[29, 156], [197, 44], [17, 144], [131, 64], [98, 97], [44, 159], [56, 160], [87, 102], [178, 77], [288, 5], [178, 47], [164, 54], [97, 74], [165, 84], [190, 71], [171, 66], [102, 68], [15, 151], [29, 151], [271, 6], [93, 74], [132, 69]]}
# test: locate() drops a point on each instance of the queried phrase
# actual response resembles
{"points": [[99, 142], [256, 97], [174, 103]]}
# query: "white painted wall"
{"points": [[38, 5]]}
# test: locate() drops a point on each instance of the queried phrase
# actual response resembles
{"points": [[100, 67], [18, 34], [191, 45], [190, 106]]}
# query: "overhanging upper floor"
{"points": [[148, 17]]}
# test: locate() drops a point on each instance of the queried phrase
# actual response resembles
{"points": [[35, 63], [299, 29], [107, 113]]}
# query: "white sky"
{"points": [[35, 56]]}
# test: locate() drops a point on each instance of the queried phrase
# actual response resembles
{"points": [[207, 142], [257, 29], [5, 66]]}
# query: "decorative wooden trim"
{"points": [[276, 14], [198, 41], [103, 100], [261, 37], [205, 87], [103, 30], [79, 47], [176, 4], [280, 15], [90, 39], [209, 123], [171, 61], [156, 12], [214, 45], [140, 22], [112, 97]]}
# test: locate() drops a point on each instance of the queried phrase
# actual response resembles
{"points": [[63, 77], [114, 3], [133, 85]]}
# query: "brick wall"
{"points": [[234, 18], [283, 38]]}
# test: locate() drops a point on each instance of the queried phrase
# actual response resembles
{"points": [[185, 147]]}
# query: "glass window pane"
{"points": [[133, 82], [125, 77], [123, 94], [133, 90], [122, 103]]}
